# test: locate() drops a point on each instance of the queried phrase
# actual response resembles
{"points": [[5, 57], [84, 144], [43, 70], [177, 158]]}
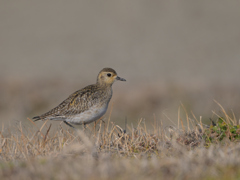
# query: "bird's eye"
{"points": [[109, 75]]}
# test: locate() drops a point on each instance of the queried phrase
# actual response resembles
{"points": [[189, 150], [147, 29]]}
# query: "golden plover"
{"points": [[85, 105]]}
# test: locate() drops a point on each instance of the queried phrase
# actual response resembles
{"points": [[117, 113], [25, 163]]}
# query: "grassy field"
{"points": [[177, 56], [105, 150]]}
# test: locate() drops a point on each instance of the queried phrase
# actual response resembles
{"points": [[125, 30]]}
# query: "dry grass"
{"points": [[104, 151]]}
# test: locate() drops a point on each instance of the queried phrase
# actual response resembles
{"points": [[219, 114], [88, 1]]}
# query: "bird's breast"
{"points": [[88, 116]]}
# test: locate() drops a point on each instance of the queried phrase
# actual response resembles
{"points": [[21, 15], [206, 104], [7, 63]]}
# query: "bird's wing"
{"points": [[76, 103]]}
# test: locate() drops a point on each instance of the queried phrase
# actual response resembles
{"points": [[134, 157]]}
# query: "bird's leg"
{"points": [[95, 124], [101, 119], [68, 124], [84, 126]]}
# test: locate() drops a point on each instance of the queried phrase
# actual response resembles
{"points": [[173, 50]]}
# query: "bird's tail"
{"points": [[37, 118]]}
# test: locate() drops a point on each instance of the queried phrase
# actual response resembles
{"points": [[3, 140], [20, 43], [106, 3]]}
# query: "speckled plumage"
{"points": [[86, 105]]}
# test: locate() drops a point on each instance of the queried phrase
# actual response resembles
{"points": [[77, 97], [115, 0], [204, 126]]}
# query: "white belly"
{"points": [[93, 114]]}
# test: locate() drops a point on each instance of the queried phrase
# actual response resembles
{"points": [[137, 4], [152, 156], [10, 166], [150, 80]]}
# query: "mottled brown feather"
{"points": [[97, 95], [80, 101]]}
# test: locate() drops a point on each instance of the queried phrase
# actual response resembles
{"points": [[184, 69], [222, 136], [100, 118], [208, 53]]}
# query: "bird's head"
{"points": [[107, 76]]}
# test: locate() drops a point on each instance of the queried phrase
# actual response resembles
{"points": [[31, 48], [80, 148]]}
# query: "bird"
{"points": [[85, 105]]}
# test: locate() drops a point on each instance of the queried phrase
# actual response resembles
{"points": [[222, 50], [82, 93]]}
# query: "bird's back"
{"points": [[90, 97]]}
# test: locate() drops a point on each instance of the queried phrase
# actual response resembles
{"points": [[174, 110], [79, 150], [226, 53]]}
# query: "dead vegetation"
{"points": [[106, 151]]}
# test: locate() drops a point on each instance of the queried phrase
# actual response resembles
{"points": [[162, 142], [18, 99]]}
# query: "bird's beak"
{"points": [[120, 79]]}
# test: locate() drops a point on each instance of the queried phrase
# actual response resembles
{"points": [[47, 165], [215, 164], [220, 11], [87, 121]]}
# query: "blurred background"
{"points": [[170, 52]]}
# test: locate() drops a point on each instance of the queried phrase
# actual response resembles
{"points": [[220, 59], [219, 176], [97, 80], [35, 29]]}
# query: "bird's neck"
{"points": [[105, 91], [104, 85]]}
